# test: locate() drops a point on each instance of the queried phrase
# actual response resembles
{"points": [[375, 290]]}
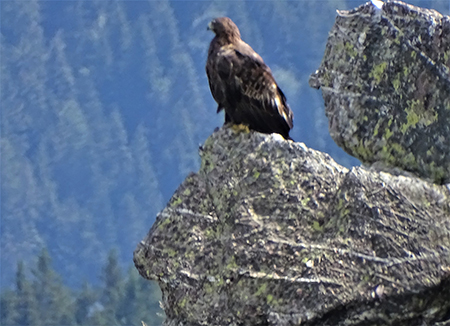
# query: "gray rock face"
{"points": [[385, 79], [269, 232]]}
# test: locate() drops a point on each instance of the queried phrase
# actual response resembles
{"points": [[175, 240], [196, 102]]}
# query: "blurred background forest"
{"points": [[103, 107]]}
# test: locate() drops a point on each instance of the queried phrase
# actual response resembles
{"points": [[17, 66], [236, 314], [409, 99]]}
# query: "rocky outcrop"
{"points": [[270, 232], [385, 79]]}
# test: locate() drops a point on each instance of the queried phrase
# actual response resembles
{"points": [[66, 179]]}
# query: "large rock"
{"points": [[269, 232], [385, 79]]}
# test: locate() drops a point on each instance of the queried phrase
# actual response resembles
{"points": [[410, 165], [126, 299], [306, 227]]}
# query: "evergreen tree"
{"points": [[140, 301], [26, 307], [8, 312], [85, 304], [151, 296], [112, 291], [53, 299], [44, 300]]}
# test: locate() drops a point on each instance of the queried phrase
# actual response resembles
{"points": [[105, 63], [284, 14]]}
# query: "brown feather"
{"points": [[243, 85]]}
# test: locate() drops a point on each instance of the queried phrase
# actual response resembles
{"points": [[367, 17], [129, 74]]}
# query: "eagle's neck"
{"points": [[227, 38]]}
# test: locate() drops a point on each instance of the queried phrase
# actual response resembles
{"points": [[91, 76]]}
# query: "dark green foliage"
{"points": [[85, 301], [113, 284], [54, 301], [8, 307], [40, 298], [138, 303], [24, 301], [100, 125]]}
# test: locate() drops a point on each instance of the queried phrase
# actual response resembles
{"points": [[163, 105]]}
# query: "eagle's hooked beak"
{"points": [[210, 26]]}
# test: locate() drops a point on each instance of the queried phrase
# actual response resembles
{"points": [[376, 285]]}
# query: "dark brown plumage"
{"points": [[242, 84]]}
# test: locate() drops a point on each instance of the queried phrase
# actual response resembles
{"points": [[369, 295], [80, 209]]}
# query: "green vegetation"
{"points": [[40, 298], [103, 106]]}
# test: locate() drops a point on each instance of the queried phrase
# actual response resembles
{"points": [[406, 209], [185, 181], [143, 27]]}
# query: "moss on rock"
{"points": [[385, 79]]}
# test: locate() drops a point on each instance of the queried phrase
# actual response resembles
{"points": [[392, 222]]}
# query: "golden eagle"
{"points": [[242, 84]]}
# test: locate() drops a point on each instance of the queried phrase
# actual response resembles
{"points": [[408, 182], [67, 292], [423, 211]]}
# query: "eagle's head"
{"points": [[224, 27]]}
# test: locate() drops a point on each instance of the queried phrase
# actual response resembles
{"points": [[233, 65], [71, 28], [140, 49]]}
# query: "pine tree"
{"points": [[85, 305], [53, 299], [112, 291], [140, 301], [151, 296], [8, 312], [27, 309]]}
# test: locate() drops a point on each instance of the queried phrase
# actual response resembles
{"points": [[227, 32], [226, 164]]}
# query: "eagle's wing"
{"points": [[248, 90], [214, 83]]}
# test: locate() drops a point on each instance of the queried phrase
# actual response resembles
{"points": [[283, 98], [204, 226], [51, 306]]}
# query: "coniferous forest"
{"points": [[39, 297], [103, 106]]}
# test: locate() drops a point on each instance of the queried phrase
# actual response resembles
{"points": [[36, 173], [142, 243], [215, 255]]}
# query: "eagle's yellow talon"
{"points": [[240, 128]]}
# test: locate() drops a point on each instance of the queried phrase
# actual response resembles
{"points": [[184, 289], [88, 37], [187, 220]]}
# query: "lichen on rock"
{"points": [[270, 232], [385, 79]]}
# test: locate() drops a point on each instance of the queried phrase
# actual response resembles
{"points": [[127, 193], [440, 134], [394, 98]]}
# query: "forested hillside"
{"points": [[104, 105], [43, 299]]}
